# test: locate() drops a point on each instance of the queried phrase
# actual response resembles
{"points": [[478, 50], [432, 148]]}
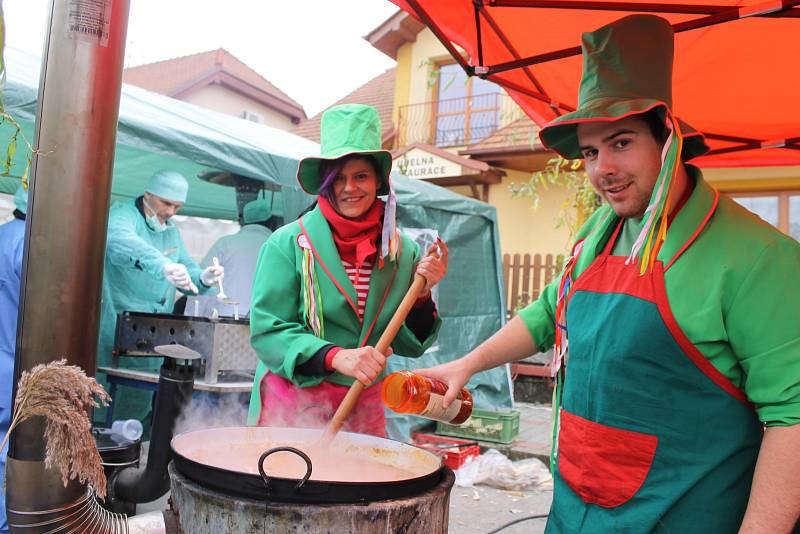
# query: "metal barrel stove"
{"points": [[212, 494]]}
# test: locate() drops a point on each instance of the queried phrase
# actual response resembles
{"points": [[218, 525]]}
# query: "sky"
{"points": [[313, 50]]}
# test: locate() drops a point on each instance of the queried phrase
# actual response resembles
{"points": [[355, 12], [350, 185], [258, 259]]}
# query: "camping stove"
{"points": [[223, 343]]}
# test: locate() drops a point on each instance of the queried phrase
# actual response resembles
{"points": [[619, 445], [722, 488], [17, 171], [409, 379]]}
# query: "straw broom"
{"points": [[63, 394]]}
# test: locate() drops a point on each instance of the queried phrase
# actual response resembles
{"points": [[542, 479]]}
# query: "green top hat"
{"points": [[346, 129], [627, 70]]}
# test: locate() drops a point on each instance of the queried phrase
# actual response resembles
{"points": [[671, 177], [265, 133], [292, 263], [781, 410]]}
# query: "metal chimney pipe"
{"points": [[76, 120]]}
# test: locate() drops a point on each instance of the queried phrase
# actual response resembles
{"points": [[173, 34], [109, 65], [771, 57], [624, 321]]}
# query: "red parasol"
{"points": [[736, 74]]}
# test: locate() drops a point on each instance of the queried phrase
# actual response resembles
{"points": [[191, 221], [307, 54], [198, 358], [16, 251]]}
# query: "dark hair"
{"points": [[329, 170], [654, 118]]}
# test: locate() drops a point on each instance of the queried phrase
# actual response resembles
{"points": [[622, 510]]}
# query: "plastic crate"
{"points": [[454, 451], [485, 425]]}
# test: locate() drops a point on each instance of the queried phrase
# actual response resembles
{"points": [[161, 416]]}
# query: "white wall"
{"points": [[224, 100]]}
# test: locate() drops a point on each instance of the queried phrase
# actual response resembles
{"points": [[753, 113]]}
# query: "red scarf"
{"points": [[356, 239]]}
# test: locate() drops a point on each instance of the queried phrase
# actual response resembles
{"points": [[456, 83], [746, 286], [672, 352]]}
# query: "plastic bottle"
{"points": [[406, 392], [130, 429]]}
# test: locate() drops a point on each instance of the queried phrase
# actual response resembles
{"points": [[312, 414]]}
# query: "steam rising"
{"points": [[205, 412]]}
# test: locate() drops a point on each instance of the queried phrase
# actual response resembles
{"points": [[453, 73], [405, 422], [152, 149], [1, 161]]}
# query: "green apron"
{"points": [[651, 437]]}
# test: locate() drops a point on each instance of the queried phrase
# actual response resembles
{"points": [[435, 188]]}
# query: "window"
{"points": [[765, 207], [466, 109], [794, 216], [251, 116], [780, 209]]}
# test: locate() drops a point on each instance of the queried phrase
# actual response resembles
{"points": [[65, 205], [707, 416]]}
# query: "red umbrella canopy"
{"points": [[736, 73]]}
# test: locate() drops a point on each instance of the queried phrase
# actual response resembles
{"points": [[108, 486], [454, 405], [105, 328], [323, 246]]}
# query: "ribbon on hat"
{"points": [[389, 232], [654, 223]]}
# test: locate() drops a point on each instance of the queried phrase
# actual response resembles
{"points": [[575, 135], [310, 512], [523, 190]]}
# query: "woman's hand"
{"points": [[364, 363], [455, 374], [433, 266]]}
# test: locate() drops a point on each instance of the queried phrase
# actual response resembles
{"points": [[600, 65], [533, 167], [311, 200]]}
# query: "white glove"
{"points": [[211, 275], [177, 275]]}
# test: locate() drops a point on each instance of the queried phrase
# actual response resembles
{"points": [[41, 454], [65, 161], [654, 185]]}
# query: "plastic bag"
{"points": [[494, 469]]}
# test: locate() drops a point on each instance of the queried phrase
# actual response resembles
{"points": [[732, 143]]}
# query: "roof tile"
{"points": [[168, 76]]}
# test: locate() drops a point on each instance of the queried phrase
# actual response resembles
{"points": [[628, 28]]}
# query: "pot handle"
{"points": [[298, 452]]}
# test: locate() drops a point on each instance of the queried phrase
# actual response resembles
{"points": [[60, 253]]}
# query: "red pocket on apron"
{"points": [[602, 464]]}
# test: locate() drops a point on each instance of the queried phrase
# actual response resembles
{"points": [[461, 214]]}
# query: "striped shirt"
{"points": [[360, 280]]}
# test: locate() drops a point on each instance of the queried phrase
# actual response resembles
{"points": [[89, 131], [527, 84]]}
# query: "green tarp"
{"points": [[159, 132]]}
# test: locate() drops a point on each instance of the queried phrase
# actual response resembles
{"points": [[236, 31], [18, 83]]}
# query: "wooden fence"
{"points": [[525, 276]]}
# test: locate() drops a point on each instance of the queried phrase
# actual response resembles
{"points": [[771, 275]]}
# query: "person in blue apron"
{"points": [[12, 244], [145, 263], [675, 322]]}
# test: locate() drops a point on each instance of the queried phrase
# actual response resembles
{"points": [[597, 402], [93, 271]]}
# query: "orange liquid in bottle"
{"points": [[406, 392]]}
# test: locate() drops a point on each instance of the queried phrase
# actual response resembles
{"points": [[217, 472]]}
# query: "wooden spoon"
{"points": [[397, 320]]}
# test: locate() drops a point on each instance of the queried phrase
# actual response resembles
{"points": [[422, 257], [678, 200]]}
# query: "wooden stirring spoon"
{"points": [[397, 320]]}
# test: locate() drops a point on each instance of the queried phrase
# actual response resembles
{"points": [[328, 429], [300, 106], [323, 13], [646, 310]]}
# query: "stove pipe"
{"points": [[70, 186], [138, 485]]}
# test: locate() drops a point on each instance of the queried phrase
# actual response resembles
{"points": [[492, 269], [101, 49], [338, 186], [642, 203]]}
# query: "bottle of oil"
{"points": [[406, 392]]}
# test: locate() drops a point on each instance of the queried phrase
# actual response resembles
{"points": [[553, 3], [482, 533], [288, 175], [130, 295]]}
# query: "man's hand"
{"points": [[364, 364], [433, 266], [177, 275], [455, 374], [211, 275]]}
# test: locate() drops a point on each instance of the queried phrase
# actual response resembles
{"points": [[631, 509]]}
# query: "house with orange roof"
{"points": [[218, 80]]}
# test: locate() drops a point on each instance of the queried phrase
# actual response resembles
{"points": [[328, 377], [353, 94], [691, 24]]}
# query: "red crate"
{"points": [[454, 451]]}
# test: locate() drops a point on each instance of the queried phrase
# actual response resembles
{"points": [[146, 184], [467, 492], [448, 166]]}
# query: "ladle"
{"points": [[351, 398], [221, 296]]}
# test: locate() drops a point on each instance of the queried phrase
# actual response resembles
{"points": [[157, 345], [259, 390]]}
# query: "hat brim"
{"points": [[310, 180], [561, 134]]}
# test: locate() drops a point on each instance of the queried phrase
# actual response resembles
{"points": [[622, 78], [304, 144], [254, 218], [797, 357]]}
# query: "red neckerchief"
{"points": [[356, 239]]}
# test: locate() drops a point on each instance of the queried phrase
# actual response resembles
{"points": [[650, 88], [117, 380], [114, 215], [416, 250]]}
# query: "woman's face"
{"points": [[354, 188]]}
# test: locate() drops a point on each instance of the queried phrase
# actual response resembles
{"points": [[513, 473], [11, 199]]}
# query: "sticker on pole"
{"points": [[89, 20]]}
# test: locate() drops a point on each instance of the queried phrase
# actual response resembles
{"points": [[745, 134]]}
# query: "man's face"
{"points": [[164, 209], [623, 160]]}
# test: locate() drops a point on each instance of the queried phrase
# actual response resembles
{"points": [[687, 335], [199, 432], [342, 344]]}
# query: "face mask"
{"points": [[155, 224]]}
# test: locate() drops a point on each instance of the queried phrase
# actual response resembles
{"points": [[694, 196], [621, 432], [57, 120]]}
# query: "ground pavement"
{"points": [[482, 509]]}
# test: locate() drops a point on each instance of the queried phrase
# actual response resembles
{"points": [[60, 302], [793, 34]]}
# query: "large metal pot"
{"points": [[278, 464]]}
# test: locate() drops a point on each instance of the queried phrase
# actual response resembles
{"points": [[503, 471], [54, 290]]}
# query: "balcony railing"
{"points": [[456, 121]]}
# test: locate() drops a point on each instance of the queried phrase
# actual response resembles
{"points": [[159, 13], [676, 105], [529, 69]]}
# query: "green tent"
{"points": [[159, 132], [470, 298]]}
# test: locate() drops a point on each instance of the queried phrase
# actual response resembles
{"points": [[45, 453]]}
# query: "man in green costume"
{"points": [[675, 322]]}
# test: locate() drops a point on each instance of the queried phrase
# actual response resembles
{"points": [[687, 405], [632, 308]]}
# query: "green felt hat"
{"points": [[627, 70], [345, 130]]}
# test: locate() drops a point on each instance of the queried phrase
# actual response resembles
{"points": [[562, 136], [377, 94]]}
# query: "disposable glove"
{"points": [[177, 275], [211, 275]]}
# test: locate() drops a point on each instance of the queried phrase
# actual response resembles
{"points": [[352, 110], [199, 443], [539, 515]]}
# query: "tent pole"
{"points": [[766, 9], [631, 7], [513, 51], [634, 7], [426, 19], [70, 186], [477, 6]]}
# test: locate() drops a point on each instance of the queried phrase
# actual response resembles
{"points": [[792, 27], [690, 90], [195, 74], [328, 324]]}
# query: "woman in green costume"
{"points": [[327, 285]]}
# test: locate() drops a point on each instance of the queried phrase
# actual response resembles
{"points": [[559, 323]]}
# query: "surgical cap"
{"points": [[21, 199], [169, 185], [256, 211]]}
